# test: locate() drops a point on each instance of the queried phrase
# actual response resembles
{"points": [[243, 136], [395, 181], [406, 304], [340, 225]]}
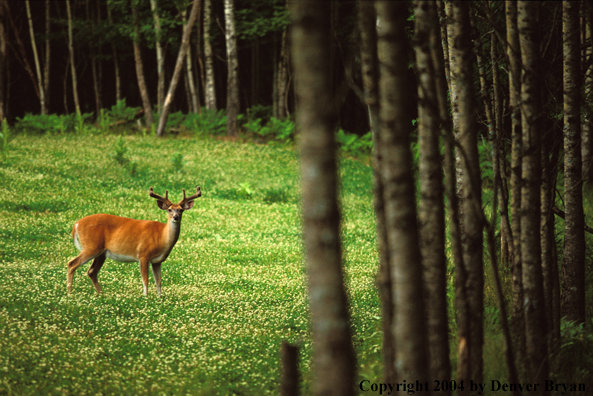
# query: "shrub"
{"points": [[210, 122]]}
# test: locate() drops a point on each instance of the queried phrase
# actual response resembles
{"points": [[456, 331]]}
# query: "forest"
{"points": [[396, 196]]}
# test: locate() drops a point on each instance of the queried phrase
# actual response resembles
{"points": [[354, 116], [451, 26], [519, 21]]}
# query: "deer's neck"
{"points": [[172, 233]]}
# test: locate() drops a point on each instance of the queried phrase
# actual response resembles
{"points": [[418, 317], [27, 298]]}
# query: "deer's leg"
{"points": [[93, 271], [76, 262], [156, 273], [144, 273]]}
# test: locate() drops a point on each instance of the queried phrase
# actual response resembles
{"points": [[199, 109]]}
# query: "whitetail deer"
{"points": [[126, 240]]}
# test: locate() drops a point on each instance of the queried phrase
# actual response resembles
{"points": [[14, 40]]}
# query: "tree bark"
{"points": [[431, 211], [210, 91], [140, 69], [534, 303], [333, 354], [178, 66], [160, 57], [72, 64], [409, 320], [47, 54], [96, 83], [3, 60], [41, 86], [282, 76], [232, 102], [573, 265], [462, 74], [118, 95], [195, 102], [367, 20], [587, 123]]}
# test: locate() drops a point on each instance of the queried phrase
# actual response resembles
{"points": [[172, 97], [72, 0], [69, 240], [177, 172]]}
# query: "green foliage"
{"points": [[353, 144], [119, 151], [104, 120], [4, 137], [258, 18], [38, 124], [210, 122], [574, 361], [121, 112], [177, 162], [282, 130]]}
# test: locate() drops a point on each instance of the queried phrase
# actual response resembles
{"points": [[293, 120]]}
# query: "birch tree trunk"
{"points": [[431, 211], [140, 69], [178, 66], [210, 91], [118, 96], [460, 48], [160, 58], [409, 319], [72, 64], [40, 84], [333, 354], [573, 265], [232, 102], [367, 20], [531, 111]]}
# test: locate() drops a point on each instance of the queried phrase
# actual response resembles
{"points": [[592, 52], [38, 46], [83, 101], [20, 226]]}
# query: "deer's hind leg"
{"points": [[83, 257], [93, 271]]}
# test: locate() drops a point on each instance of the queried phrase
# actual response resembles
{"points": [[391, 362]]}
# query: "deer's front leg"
{"points": [[156, 273], [144, 273]]}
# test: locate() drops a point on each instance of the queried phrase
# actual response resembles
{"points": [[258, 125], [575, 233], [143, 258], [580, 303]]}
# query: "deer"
{"points": [[125, 240]]}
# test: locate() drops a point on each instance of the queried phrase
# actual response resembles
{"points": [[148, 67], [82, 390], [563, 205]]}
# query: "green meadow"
{"points": [[234, 286]]}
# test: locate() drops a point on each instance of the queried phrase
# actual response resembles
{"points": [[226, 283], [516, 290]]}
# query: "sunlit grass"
{"points": [[234, 286]]}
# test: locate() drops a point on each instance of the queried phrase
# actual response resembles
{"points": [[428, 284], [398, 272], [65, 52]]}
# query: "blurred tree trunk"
{"points": [[573, 265], [46, 65], [232, 103], [431, 210], [409, 319], [367, 20], [333, 354], [189, 73], [442, 15], [118, 96], [282, 75], [462, 73], [3, 60], [461, 304], [160, 56], [94, 71], [140, 68], [587, 123], [531, 111], [72, 64], [37, 61], [210, 91], [514, 56], [178, 66]]}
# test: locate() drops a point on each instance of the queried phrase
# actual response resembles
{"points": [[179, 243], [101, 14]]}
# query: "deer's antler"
{"points": [[164, 199], [198, 194]]}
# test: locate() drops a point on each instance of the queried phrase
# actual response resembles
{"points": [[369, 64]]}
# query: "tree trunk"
{"points": [[232, 102], [514, 56], [573, 265], [210, 91], [118, 96], [282, 76], [160, 57], [531, 111], [367, 19], [333, 354], [3, 60], [462, 73], [431, 211], [587, 123], [178, 66], [409, 319], [195, 102], [47, 54], [72, 64], [40, 84], [96, 85], [140, 69]]}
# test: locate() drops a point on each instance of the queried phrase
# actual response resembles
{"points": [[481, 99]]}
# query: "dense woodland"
{"points": [[481, 122]]}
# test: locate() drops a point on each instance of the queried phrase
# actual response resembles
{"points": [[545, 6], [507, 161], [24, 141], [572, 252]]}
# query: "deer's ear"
{"points": [[162, 205], [188, 205]]}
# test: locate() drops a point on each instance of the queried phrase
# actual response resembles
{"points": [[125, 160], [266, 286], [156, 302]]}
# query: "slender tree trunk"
{"points": [[195, 102], [442, 15], [47, 54], [462, 74], [160, 57], [232, 102], [118, 96], [514, 56], [178, 66], [96, 88], [333, 354], [573, 265], [65, 85], [140, 69], [587, 116], [431, 211], [409, 319], [36, 59], [72, 63], [282, 76], [531, 106], [367, 19], [210, 91], [3, 60]]}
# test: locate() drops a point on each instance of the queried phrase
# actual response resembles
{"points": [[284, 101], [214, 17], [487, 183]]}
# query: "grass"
{"points": [[234, 286]]}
